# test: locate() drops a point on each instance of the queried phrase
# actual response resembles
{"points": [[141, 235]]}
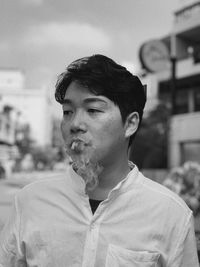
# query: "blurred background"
{"points": [[157, 40]]}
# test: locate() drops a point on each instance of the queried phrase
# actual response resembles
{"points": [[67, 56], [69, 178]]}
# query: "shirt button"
{"points": [[92, 226]]}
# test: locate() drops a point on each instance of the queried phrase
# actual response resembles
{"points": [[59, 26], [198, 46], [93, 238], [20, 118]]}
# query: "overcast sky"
{"points": [[41, 37]]}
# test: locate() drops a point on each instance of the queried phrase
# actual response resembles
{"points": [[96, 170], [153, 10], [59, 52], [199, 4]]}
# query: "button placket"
{"points": [[91, 242], [91, 245]]}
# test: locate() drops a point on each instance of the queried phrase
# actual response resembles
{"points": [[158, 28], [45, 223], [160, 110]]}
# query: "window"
{"points": [[181, 101], [190, 151], [197, 99]]}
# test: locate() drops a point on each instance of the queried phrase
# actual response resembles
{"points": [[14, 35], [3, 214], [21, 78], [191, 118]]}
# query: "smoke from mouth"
{"points": [[78, 146], [85, 163]]}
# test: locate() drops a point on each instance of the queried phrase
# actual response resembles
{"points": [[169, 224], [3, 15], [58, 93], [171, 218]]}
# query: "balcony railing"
{"points": [[187, 13]]}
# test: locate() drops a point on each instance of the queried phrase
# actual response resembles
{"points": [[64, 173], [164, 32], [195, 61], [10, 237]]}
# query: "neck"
{"points": [[109, 178]]}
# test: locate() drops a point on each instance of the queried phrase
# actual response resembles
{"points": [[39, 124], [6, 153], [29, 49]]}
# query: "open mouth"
{"points": [[78, 145]]}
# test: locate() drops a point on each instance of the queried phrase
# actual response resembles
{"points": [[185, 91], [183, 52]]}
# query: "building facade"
{"points": [[21, 107], [175, 79]]}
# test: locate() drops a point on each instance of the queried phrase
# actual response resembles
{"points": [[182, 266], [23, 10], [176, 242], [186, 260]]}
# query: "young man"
{"points": [[104, 212]]}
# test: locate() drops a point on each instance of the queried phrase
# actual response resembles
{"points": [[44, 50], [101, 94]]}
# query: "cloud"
{"points": [[32, 2], [4, 46], [66, 34]]}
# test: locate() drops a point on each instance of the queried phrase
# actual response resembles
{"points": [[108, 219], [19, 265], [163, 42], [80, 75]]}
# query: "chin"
{"points": [[89, 170]]}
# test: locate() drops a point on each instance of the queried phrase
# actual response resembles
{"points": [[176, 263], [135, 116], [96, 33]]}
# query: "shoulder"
{"points": [[42, 188], [166, 198]]}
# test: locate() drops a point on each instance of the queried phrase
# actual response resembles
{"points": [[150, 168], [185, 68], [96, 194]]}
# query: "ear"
{"points": [[131, 124]]}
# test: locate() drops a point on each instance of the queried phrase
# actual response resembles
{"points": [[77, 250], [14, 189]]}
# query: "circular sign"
{"points": [[154, 56]]}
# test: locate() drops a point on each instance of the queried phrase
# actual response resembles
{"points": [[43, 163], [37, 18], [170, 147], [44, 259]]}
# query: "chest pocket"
{"points": [[120, 257]]}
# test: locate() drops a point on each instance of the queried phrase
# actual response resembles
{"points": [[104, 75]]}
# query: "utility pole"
{"points": [[173, 58], [173, 85]]}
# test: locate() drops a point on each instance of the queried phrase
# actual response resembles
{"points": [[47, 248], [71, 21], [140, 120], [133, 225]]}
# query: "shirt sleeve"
{"points": [[186, 252], [11, 251]]}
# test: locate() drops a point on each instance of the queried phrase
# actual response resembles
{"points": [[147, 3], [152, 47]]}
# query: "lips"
{"points": [[78, 145]]}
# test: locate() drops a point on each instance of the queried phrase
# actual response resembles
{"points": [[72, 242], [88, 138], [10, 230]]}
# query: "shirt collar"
{"points": [[130, 181], [127, 183], [76, 181]]}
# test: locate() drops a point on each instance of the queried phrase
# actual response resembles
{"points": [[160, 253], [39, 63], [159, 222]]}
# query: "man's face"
{"points": [[92, 126]]}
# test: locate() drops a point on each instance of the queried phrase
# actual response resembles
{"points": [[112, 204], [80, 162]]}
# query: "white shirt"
{"points": [[140, 224]]}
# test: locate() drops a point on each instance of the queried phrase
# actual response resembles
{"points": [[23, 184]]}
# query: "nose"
{"points": [[78, 123]]}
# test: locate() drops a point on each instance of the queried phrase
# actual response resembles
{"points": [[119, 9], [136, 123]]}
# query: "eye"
{"points": [[67, 112], [93, 110]]}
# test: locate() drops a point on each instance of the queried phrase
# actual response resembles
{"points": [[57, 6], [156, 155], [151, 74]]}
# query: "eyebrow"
{"points": [[66, 101], [87, 101], [95, 99]]}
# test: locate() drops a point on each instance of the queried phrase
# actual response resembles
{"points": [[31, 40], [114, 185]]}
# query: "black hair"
{"points": [[102, 76]]}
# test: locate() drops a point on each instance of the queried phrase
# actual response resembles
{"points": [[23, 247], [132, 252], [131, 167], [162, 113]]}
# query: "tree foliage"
{"points": [[149, 149]]}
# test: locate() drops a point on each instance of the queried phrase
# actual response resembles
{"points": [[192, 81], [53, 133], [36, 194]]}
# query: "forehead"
{"points": [[77, 92]]}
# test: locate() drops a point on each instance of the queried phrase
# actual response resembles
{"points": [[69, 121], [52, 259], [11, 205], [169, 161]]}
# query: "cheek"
{"points": [[64, 130], [112, 130]]}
